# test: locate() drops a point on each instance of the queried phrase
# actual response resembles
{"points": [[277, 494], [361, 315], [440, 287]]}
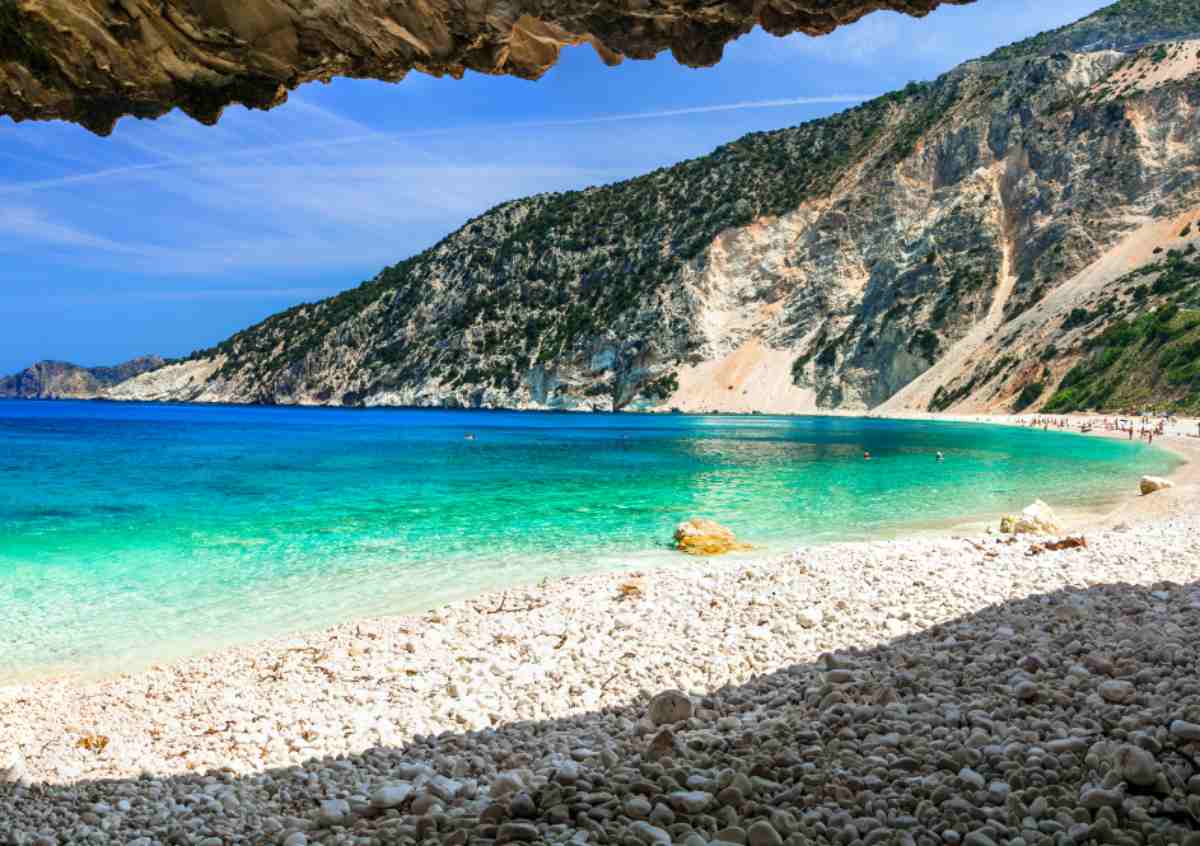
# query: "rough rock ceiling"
{"points": [[94, 61]]}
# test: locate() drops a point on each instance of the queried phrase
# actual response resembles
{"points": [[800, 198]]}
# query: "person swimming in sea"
{"points": [[940, 457], [866, 455]]}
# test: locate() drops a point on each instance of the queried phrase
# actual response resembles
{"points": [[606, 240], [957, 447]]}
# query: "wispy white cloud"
{"points": [[320, 191], [173, 162], [30, 224], [947, 36]]}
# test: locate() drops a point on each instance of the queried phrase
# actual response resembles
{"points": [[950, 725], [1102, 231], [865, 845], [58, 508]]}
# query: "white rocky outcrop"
{"points": [[1153, 484], [1036, 519]]}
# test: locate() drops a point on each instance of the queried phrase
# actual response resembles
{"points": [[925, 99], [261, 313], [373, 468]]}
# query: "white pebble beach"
{"points": [[974, 689]]}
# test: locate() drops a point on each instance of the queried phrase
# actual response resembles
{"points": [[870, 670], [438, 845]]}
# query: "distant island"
{"points": [[63, 380]]}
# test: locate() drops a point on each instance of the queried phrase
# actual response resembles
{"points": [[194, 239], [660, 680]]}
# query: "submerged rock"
{"points": [[699, 536]]}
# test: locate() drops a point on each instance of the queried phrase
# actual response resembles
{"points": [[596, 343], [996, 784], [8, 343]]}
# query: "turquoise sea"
{"points": [[130, 533]]}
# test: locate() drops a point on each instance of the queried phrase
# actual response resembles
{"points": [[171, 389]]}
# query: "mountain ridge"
{"points": [[824, 266]]}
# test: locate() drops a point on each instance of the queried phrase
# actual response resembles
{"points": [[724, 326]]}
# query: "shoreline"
{"points": [[1128, 506], [1114, 508]]}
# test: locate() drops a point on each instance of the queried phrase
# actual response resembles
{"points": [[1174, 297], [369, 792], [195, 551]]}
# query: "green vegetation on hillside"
{"points": [[535, 280], [1150, 356]]}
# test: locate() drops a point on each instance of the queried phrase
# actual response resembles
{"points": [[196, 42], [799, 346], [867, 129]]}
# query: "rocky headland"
{"points": [[950, 690], [62, 380]]}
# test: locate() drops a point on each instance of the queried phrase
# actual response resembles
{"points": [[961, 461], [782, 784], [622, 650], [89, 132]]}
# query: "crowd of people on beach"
{"points": [[1146, 426]]}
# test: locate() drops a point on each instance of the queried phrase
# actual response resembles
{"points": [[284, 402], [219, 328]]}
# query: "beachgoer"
{"points": [[940, 457], [866, 455]]}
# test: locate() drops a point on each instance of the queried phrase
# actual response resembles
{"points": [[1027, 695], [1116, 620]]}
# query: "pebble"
{"points": [[1185, 730], [670, 707], [763, 833], [637, 808], [334, 812], [391, 796], [1118, 692], [650, 834], [1137, 766]]}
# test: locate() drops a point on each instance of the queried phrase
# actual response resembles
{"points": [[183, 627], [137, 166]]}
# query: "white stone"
{"points": [[1153, 484], [333, 812], [391, 796], [810, 618]]}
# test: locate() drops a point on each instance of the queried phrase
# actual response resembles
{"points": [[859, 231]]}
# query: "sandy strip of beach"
{"points": [[1126, 506], [978, 690]]}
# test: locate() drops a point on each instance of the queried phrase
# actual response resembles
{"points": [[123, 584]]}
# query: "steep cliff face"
{"points": [[92, 61], [920, 251], [60, 380]]}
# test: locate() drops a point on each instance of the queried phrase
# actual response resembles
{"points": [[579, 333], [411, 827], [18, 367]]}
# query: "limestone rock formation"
{"points": [[1021, 233], [60, 380], [699, 536], [93, 61]]}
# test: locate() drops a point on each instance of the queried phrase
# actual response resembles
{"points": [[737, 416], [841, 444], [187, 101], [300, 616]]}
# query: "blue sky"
{"points": [[169, 236]]}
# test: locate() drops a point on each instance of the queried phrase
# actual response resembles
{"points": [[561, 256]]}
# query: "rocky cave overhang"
{"points": [[93, 61]]}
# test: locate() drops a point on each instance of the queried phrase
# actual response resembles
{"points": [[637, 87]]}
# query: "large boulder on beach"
{"points": [[699, 536], [1153, 484], [1036, 519]]}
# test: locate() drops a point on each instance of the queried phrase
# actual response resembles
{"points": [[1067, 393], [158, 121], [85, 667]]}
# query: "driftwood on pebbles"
{"points": [[910, 692]]}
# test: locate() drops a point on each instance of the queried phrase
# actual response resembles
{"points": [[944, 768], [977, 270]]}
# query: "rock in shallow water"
{"points": [[699, 536]]}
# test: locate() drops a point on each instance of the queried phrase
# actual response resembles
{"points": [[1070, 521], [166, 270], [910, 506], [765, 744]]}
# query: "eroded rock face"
{"points": [[93, 61]]}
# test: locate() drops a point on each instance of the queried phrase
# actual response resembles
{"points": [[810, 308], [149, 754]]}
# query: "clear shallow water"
{"points": [[135, 532]]}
